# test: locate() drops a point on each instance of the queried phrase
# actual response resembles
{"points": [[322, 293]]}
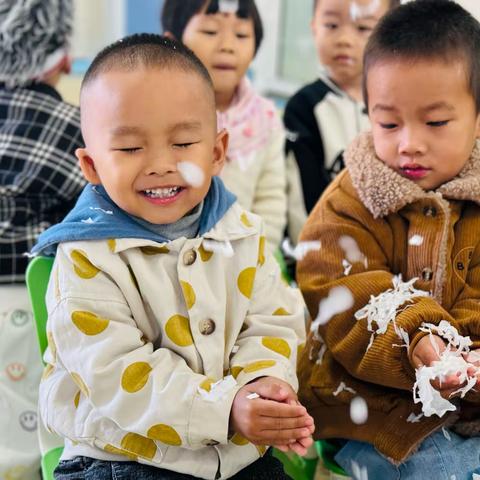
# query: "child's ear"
{"points": [[477, 125], [87, 166], [169, 35], [220, 151]]}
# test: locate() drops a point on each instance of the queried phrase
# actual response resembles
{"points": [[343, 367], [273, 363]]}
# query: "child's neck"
{"points": [[223, 100], [353, 88]]}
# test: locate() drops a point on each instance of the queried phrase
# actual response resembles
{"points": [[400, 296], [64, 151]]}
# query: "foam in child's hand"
{"points": [[191, 173]]}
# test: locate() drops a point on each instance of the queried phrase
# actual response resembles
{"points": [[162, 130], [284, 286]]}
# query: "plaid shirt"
{"points": [[39, 176]]}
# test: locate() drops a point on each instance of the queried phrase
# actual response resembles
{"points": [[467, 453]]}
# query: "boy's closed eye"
{"points": [[330, 25], [128, 149], [210, 32], [184, 145], [440, 123]]}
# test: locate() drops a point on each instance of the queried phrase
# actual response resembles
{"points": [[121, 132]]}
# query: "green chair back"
{"points": [[38, 274]]}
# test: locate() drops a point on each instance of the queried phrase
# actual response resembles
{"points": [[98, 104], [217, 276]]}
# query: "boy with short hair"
{"points": [[39, 183], [399, 229], [172, 338], [325, 116]]}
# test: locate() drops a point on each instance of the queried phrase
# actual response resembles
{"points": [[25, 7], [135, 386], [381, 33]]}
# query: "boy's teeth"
{"points": [[162, 192]]}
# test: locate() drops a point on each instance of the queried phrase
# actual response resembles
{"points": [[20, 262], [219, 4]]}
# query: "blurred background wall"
{"points": [[286, 60]]}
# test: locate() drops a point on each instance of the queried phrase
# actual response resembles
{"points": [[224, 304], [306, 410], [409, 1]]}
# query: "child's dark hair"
{"points": [[391, 4], [177, 13], [426, 30], [148, 50]]}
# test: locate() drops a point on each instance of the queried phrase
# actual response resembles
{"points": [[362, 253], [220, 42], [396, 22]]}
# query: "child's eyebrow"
{"points": [[125, 130], [331, 13], [439, 106], [383, 108], [190, 126]]}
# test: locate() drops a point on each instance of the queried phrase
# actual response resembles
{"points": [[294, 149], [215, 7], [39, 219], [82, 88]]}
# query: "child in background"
{"points": [[172, 338], [39, 183], [407, 204], [326, 115], [225, 35]]}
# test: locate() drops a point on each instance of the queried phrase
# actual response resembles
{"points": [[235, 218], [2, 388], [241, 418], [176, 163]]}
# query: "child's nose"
{"points": [[160, 165], [411, 143], [227, 43]]}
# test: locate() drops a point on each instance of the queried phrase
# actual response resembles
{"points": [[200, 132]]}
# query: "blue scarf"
{"points": [[97, 217]]}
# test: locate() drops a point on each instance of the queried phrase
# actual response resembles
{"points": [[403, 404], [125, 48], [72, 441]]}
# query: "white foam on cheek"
{"points": [[191, 173]]}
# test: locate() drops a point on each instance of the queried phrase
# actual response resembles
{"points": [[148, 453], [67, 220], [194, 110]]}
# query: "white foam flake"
{"points": [[235, 348], [452, 361], [88, 220], [358, 410], [301, 250], [416, 240], [347, 266], [191, 173], [342, 387], [218, 389], [339, 300], [359, 472], [446, 434], [228, 6], [475, 476], [321, 353], [106, 212], [412, 418], [246, 161], [403, 335], [222, 247], [360, 10], [383, 308], [253, 396], [352, 252]]}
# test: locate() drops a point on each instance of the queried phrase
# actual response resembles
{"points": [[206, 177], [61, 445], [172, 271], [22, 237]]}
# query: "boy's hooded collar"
{"points": [[97, 217], [383, 191]]}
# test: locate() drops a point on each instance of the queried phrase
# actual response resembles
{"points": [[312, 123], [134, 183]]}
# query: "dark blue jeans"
{"points": [[84, 468]]}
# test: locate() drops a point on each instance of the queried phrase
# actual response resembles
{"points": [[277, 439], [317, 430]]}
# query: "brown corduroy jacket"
{"points": [[381, 211]]}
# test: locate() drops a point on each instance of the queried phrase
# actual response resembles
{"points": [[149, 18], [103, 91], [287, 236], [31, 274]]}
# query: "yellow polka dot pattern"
{"points": [[244, 219], [135, 376], [178, 331], [261, 449], [165, 434], [118, 451], [82, 265], [277, 345], [80, 383], [245, 281], [188, 294], [239, 440], [76, 399], [151, 250], [204, 254], [235, 371], [260, 365], [207, 384], [281, 312], [138, 445], [261, 251], [112, 244], [89, 323]]}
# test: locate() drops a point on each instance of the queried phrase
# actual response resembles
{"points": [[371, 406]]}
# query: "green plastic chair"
{"points": [[327, 451], [37, 275]]}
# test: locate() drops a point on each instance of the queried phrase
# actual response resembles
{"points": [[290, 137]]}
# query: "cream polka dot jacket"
{"points": [[140, 332]]}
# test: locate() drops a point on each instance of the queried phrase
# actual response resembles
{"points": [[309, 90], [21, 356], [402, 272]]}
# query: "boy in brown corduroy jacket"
{"points": [[407, 204]]}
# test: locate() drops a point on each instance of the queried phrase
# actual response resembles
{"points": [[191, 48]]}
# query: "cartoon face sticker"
{"points": [[19, 318], [28, 421], [16, 371]]}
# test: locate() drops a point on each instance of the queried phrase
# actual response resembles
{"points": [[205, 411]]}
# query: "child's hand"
{"points": [[473, 357], [424, 353], [273, 419]]}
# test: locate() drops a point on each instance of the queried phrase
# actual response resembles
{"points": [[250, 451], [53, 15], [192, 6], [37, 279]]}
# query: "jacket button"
{"points": [[210, 443], [430, 211], [189, 257], [206, 326], [427, 274], [460, 266]]}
